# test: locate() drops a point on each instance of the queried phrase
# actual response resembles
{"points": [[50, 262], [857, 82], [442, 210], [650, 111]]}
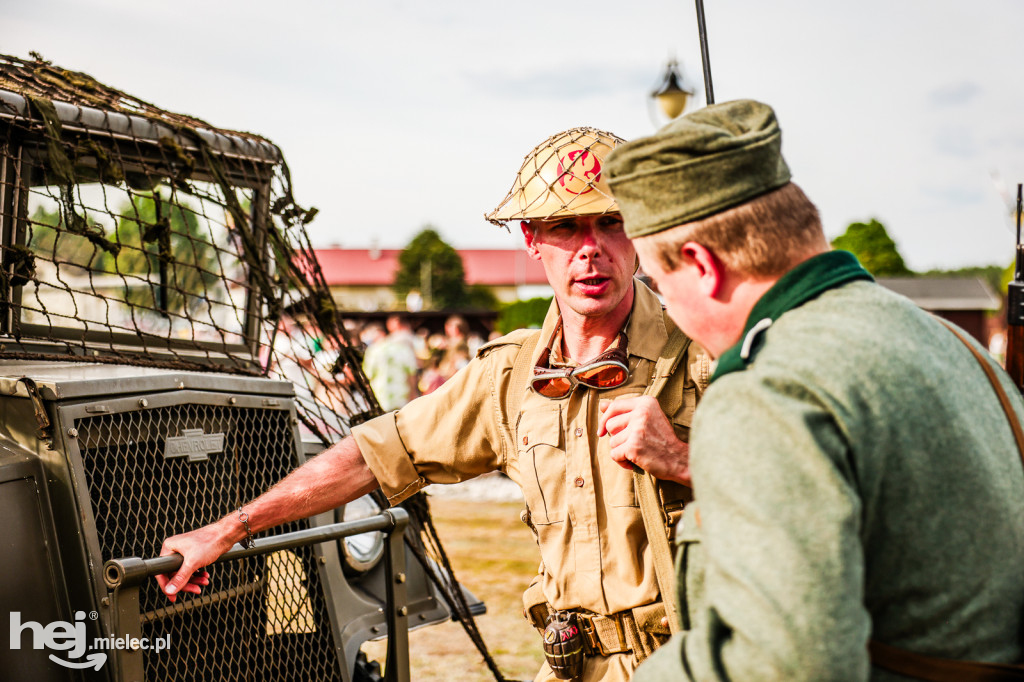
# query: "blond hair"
{"points": [[762, 237]]}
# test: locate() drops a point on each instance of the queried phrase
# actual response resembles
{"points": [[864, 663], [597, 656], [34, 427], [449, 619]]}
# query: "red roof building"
{"points": [[360, 279]]}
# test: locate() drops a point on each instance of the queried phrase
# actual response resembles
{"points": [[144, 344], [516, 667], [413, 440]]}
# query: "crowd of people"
{"points": [[402, 365]]}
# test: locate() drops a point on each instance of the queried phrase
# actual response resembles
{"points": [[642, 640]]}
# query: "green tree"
{"points": [[434, 268], [874, 248], [165, 243], [48, 238], [526, 314], [482, 296]]}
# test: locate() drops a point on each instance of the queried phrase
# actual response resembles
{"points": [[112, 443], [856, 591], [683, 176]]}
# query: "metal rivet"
{"points": [[323, 560], [526, 439], [73, 432], [400, 578], [579, 481], [181, 385], [579, 432], [143, 402], [403, 611], [232, 400], [105, 601]]}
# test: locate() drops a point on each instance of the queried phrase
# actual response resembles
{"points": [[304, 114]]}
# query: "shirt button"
{"points": [[579, 432], [526, 439], [579, 481]]}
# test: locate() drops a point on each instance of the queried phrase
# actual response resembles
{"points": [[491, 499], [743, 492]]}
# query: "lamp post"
{"points": [[670, 95]]}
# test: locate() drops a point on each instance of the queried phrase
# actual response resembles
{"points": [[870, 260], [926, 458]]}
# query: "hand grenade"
{"points": [[563, 645]]}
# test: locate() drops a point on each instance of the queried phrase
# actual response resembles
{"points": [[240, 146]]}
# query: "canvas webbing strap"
{"points": [[932, 669], [520, 369], [655, 521]]}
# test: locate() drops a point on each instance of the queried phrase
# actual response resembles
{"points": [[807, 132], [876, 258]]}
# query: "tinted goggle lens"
{"points": [[553, 387], [601, 376], [605, 375]]}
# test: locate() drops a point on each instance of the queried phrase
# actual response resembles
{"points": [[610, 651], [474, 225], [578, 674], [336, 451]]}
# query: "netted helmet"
{"points": [[562, 176]]}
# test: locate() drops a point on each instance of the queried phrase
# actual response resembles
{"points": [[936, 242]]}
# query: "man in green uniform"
{"points": [[528, 405], [856, 478]]}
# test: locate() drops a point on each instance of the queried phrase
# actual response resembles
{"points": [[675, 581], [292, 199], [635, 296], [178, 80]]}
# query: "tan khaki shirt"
{"points": [[582, 504]]}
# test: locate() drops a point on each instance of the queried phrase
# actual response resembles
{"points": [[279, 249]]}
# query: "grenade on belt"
{"points": [[563, 645]]}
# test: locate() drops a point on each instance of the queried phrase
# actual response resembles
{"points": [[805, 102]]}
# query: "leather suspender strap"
{"points": [[1004, 400], [923, 667], [655, 521]]}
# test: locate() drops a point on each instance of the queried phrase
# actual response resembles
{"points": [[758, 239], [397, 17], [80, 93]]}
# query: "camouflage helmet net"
{"points": [[562, 176], [134, 235]]}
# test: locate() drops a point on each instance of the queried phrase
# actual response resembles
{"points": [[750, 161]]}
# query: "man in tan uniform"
{"points": [[528, 405]]}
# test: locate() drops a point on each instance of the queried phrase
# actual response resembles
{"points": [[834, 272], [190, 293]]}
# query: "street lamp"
{"points": [[670, 95]]}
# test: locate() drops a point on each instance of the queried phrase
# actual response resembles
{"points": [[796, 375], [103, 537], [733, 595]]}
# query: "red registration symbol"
{"points": [[578, 171]]}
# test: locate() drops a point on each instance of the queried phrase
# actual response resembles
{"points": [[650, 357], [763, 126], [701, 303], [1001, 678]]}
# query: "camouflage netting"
{"points": [[133, 235]]}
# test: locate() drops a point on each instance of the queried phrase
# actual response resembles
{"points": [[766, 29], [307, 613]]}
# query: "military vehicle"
{"points": [[169, 350]]}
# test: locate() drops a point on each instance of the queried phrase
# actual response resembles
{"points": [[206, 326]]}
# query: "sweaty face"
{"points": [[588, 260]]}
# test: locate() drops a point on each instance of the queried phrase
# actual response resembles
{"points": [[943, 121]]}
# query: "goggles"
{"points": [[610, 369]]}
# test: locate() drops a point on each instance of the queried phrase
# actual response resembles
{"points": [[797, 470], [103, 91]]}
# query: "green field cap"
{"points": [[697, 165]]}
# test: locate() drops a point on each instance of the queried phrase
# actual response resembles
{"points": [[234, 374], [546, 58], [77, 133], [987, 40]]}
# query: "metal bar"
{"points": [[8, 220], [396, 665], [1018, 273], [709, 91], [1015, 309], [200, 601], [128, 571]]}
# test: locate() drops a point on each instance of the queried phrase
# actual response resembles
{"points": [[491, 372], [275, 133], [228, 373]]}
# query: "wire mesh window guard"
{"points": [[134, 235]]}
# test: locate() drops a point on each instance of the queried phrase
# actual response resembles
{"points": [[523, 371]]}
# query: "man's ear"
{"points": [[707, 269], [528, 235]]}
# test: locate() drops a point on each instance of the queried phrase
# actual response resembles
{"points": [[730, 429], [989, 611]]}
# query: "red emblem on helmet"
{"points": [[578, 171]]}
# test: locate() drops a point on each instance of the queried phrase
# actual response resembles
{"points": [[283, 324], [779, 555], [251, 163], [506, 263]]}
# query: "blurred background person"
{"points": [[456, 353], [431, 377], [391, 366]]}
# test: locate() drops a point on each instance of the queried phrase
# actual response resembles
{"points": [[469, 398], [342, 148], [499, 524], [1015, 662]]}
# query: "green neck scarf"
{"points": [[801, 284]]}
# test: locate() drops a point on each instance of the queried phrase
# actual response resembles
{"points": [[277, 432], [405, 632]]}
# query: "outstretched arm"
{"points": [[329, 480]]}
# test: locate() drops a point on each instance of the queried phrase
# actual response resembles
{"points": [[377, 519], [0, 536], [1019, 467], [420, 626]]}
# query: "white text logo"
{"points": [[71, 637]]}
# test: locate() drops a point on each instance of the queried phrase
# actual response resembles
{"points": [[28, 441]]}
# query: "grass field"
{"points": [[495, 556]]}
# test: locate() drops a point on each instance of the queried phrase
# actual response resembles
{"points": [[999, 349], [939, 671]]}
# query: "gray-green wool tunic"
{"points": [[856, 480]]}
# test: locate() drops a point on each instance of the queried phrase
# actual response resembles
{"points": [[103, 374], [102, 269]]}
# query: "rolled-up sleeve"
{"points": [[450, 435]]}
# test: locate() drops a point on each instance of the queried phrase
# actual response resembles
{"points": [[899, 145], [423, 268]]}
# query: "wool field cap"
{"points": [[697, 165]]}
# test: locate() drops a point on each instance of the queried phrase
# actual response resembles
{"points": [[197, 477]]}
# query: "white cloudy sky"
{"points": [[395, 113]]}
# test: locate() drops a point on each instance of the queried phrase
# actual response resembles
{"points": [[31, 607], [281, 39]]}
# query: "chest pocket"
{"points": [[541, 452]]}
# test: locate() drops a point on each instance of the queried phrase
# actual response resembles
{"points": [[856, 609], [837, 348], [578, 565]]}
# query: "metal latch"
{"points": [[45, 430]]}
